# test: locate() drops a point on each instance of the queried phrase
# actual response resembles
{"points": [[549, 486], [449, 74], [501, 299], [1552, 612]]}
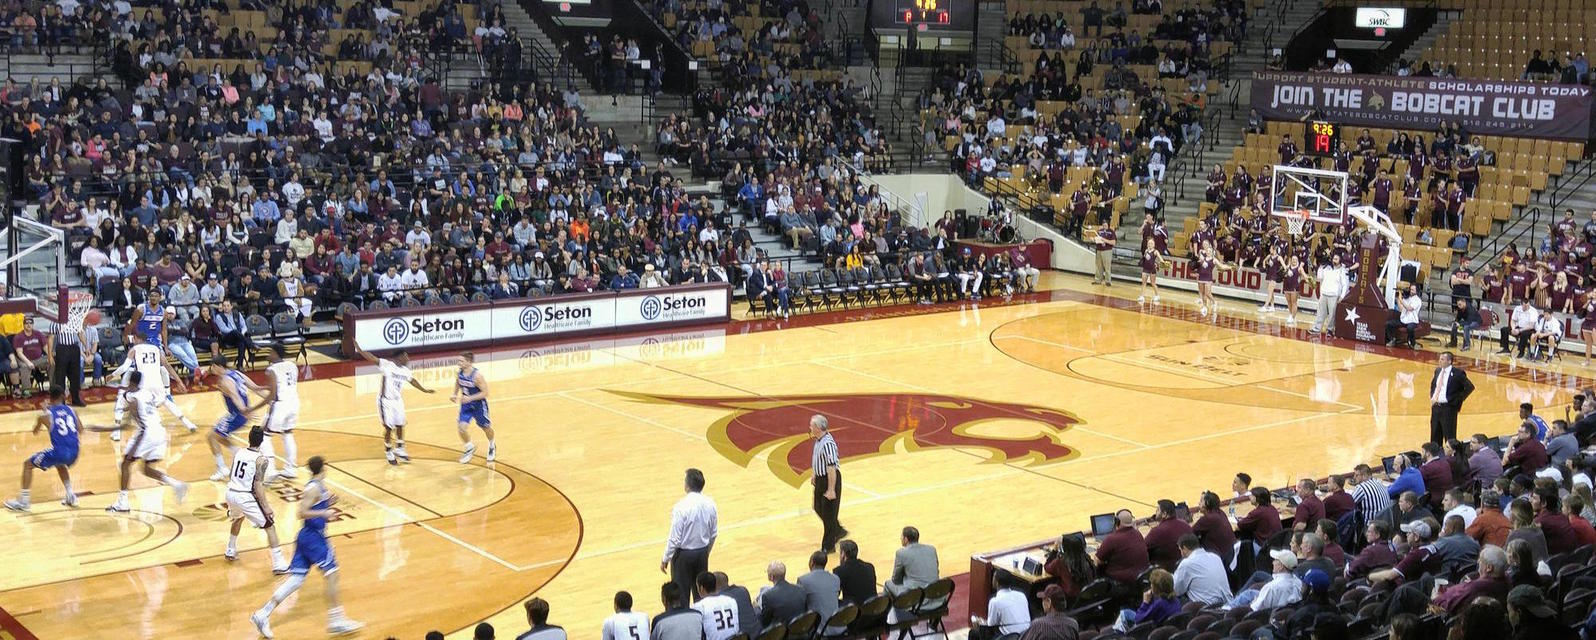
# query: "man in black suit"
{"points": [[1448, 389], [858, 577]]}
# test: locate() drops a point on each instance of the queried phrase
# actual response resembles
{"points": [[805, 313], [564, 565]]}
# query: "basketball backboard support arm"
{"points": [[1391, 271]]}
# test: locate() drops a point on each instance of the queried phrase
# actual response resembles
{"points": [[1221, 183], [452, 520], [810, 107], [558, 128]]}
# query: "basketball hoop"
{"points": [[78, 305], [1295, 220]]}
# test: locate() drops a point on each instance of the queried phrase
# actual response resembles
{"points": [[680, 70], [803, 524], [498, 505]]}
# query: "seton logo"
{"points": [[531, 319], [396, 331], [867, 425]]}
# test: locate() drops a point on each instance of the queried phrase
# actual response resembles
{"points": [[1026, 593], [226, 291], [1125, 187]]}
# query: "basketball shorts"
{"points": [[281, 417], [311, 549], [392, 414], [229, 423], [53, 457], [475, 411], [148, 445], [242, 504]]}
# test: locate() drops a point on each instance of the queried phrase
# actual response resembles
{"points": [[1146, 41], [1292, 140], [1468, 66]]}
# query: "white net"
{"points": [[1295, 220], [78, 305]]}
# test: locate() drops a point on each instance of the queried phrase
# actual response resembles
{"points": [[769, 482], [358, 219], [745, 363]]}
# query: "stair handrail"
{"points": [[1565, 186], [916, 214], [1497, 244]]}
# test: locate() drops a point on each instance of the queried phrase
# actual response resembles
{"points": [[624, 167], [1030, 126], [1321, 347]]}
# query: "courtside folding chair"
{"points": [[871, 621], [287, 332], [933, 605], [803, 626], [776, 631], [838, 624], [903, 610]]}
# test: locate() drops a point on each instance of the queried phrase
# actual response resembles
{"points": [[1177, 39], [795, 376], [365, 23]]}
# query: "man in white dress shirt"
{"points": [[1332, 286], [694, 525], [1200, 576], [1007, 612]]}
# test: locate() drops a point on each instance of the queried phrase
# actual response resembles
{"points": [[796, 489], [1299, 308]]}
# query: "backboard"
{"points": [[1323, 194]]}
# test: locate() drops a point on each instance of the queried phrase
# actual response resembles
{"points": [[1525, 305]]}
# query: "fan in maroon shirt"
{"points": [[1213, 528], [1262, 522], [1339, 502], [1163, 541], [1122, 554], [1560, 536]]}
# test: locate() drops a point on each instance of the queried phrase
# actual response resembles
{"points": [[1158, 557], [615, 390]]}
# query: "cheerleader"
{"points": [[1587, 327], [1273, 268], [1151, 258], [1207, 264], [1291, 280]]}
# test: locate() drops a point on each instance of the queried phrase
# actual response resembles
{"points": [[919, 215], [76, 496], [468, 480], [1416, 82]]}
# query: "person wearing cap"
{"points": [[184, 298], [1490, 583], [1533, 617], [1055, 622], [1315, 601], [212, 291], [1283, 588], [1490, 525], [1201, 576], [1421, 557], [542, 273], [967, 269]]}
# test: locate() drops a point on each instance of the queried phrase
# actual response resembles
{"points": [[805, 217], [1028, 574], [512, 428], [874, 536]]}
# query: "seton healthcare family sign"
{"points": [[1524, 109], [530, 319]]}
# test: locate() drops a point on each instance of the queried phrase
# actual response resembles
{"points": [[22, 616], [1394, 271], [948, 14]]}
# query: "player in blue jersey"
{"points": [[149, 320], [311, 549], [471, 391], [235, 388], [63, 424]]}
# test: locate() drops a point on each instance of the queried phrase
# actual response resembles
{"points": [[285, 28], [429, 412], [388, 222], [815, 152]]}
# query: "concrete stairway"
{"points": [[1443, 22], [991, 26], [534, 36]]}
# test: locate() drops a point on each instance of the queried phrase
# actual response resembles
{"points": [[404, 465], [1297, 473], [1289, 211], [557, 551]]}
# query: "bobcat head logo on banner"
{"points": [[869, 424]]}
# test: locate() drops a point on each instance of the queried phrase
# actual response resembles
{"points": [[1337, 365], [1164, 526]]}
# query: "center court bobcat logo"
{"points": [[869, 424]]}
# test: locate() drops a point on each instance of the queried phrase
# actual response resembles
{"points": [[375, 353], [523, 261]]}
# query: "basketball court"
{"points": [[1079, 404]]}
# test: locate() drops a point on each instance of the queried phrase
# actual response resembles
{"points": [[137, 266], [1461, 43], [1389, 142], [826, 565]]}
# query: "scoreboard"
{"points": [[1321, 138], [933, 12]]}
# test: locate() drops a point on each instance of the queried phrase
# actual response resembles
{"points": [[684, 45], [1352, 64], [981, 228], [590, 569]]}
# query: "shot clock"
{"points": [[1321, 137]]}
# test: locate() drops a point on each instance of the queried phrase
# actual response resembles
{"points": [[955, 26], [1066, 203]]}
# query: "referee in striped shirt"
{"points": [[66, 357], [1369, 494], [827, 481]]}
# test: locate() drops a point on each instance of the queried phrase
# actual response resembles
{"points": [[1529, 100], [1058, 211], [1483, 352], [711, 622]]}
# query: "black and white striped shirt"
{"points": [[1371, 499], [66, 335], [824, 456]]}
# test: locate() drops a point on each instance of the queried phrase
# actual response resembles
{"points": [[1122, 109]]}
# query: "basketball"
{"points": [[93, 317]]}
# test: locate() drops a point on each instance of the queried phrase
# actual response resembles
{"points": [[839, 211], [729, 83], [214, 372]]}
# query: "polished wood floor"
{"points": [[1035, 415]]}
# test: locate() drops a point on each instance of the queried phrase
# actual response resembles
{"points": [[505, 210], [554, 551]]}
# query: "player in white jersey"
{"points": [[246, 500], [720, 612], [148, 443], [282, 392], [157, 375], [625, 624], [391, 401]]}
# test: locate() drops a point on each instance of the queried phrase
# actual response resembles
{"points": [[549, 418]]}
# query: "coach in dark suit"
{"points": [[1448, 389], [858, 577]]}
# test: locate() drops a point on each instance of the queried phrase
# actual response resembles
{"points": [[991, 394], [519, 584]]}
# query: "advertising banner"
{"points": [[532, 319], [1523, 109]]}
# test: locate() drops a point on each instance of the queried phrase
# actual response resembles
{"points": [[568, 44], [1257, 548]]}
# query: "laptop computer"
{"points": [[1104, 524], [1389, 462]]}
